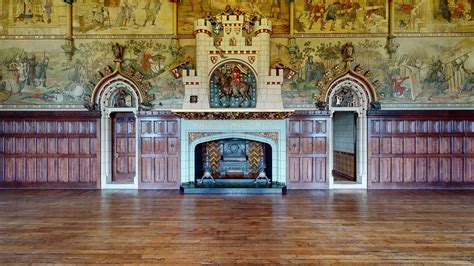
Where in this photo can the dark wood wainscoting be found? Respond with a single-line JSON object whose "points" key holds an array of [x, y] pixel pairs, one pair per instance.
{"points": [[159, 149], [345, 165], [49, 150], [421, 149], [307, 150]]}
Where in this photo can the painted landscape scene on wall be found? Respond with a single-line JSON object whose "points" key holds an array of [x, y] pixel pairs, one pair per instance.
{"points": [[426, 72], [42, 75]]}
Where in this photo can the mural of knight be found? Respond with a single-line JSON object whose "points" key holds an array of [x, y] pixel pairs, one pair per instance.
{"points": [[233, 85]]}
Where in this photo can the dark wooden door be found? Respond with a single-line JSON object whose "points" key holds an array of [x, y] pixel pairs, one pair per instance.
{"points": [[123, 147]]}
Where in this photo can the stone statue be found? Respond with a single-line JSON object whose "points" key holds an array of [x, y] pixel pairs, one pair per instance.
{"points": [[118, 51], [347, 53]]}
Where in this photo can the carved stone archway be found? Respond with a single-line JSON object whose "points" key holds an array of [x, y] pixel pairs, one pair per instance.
{"points": [[351, 92], [118, 92]]}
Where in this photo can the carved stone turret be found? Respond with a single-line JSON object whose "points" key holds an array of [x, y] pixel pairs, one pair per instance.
{"points": [[233, 37]]}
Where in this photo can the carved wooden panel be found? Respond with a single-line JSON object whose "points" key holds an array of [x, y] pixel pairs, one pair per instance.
{"points": [[307, 151], [410, 150], [159, 150], [49, 150], [123, 147]]}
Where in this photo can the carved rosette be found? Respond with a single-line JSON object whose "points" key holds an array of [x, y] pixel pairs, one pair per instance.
{"points": [[234, 115]]}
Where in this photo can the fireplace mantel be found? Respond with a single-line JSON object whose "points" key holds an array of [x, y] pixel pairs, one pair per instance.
{"points": [[234, 115]]}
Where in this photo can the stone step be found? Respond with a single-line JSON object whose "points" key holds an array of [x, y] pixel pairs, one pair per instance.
{"points": [[233, 186]]}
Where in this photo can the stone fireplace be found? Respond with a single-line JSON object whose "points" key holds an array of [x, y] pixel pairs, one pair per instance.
{"points": [[232, 105], [233, 158], [234, 139]]}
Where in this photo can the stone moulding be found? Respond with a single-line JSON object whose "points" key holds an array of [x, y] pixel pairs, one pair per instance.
{"points": [[271, 115], [192, 136]]}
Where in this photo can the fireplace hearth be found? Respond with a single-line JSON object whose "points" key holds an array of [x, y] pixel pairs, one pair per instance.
{"points": [[233, 158]]}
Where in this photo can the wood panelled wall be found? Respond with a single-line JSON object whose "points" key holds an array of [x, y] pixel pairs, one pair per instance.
{"points": [[159, 149], [49, 149], [307, 150], [416, 149], [344, 165]]}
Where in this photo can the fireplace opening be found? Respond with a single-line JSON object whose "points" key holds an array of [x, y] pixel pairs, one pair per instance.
{"points": [[233, 158]]}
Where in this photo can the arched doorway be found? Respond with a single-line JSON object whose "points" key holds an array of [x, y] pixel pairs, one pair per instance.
{"points": [[118, 98], [348, 98]]}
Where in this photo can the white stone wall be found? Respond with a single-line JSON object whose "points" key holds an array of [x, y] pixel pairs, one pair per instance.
{"points": [[256, 56]]}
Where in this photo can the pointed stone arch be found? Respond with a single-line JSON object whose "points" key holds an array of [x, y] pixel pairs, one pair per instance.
{"points": [[130, 80], [354, 81], [353, 92], [118, 92]]}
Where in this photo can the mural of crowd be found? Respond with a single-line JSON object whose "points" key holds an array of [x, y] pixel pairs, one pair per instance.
{"points": [[123, 17], [434, 16], [357, 16], [276, 10]]}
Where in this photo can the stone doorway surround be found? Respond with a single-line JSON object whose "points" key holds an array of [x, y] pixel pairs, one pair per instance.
{"points": [[362, 96]]}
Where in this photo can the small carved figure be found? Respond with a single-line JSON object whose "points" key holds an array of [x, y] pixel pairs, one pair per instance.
{"points": [[248, 41], [232, 42], [347, 52], [118, 51]]}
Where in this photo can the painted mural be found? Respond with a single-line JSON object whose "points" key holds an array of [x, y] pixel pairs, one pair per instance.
{"points": [[434, 16], [32, 17], [233, 85], [41, 74], [115, 17], [276, 10], [334, 16], [425, 72]]}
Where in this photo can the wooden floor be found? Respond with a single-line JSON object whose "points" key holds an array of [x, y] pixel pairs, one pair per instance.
{"points": [[300, 227]]}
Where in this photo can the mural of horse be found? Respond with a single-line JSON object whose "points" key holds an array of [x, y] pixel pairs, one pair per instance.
{"points": [[230, 87]]}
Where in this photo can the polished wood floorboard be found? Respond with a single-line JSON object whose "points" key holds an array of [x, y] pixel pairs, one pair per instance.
{"points": [[353, 227]]}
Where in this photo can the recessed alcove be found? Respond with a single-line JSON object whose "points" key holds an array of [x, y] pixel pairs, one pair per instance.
{"points": [[233, 158]]}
